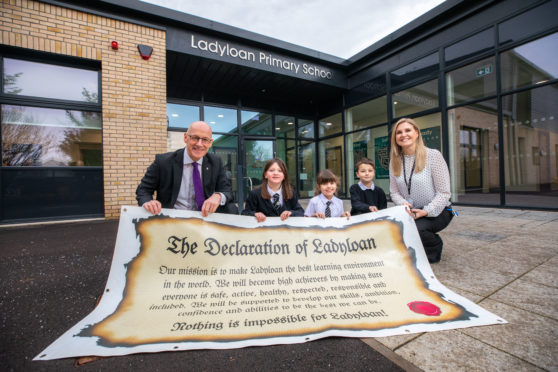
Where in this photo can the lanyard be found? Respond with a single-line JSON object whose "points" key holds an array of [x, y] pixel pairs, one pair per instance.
{"points": [[405, 175]]}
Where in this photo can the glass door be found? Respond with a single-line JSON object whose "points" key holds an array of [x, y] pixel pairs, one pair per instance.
{"points": [[256, 153]]}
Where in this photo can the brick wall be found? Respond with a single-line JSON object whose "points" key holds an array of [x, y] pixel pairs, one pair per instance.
{"points": [[133, 89]]}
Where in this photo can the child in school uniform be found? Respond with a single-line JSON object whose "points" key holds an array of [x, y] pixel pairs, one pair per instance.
{"points": [[325, 203], [365, 196], [274, 197]]}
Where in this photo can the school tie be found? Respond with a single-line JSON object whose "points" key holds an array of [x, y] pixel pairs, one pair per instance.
{"points": [[328, 210], [198, 187], [276, 205]]}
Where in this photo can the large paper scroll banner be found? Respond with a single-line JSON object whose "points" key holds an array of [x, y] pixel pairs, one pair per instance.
{"points": [[180, 282]]}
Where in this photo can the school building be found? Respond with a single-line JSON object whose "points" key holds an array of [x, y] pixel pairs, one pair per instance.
{"points": [[91, 91]]}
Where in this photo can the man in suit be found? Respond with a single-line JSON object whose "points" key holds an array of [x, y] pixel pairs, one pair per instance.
{"points": [[172, 176]]}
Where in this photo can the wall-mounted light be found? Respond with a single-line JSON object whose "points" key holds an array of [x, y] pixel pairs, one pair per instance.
{"points": [[145, 51], [114, 45]]}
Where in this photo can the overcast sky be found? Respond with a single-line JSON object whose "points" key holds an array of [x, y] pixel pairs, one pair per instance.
{"points": [[336, 27]]}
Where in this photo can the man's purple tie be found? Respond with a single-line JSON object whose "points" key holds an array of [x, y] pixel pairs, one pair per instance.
{"points": [[198, 187]]}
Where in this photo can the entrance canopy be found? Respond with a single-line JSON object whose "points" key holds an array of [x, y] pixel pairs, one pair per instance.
{"points": [[226, 71]]}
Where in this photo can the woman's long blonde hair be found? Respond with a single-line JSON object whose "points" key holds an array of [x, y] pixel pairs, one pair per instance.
{"points": [[397, 151]]}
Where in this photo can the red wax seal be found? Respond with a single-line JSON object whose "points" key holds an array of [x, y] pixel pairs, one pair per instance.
{"points": [[423, 307]]}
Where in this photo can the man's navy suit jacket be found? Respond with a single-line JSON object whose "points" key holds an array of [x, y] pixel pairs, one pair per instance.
{"points": [[164, 176]]}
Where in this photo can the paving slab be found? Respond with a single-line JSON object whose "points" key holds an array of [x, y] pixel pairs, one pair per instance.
{"points": [[454, 351], [546, 274], [539, 216], [485, 259], [518, 248], [459, 244], [468, 295], [470, 278], [536, 298], [528, 336], [394, 342]]}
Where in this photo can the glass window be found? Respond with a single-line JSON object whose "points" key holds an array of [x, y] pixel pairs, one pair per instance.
{"points": [[367, 114], [371, 144], [51, 81], [474, 157], [418, 98], [306, 128], [257, 153], [423, 67], [181, 116], [256, 123], [530, 121], [38, 193], [285, 126], [330, 125], [532, 22], [331, 157], [474, 45], [373, 88], [529, 64], [306, 168], [175, 140], [286, 151], [221, 119], [33, 136], [473, 81], [285, 144], [226, 147]]}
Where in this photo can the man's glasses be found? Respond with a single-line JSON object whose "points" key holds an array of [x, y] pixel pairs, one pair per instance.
{"points": [[205, 140]]}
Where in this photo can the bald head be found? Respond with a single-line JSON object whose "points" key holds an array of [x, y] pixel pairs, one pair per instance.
{"points": [[200, 125]]}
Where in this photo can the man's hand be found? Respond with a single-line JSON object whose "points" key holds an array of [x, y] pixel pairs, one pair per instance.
{"points": [[211, 204], [373, 208], [152, 206], [319, 215]]}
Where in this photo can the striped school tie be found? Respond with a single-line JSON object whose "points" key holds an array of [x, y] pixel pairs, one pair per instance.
{"points": [[328, 210], [276, 205]]}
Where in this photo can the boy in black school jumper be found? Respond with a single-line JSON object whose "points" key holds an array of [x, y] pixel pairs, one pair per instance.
{"points": [[365, 196]]}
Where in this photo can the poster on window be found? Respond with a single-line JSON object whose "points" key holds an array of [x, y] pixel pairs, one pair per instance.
{"points": [[381, 157], [180, 282], [360, 150]]}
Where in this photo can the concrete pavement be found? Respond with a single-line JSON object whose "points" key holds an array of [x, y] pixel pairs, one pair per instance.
{"points": [[505, 260]]}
